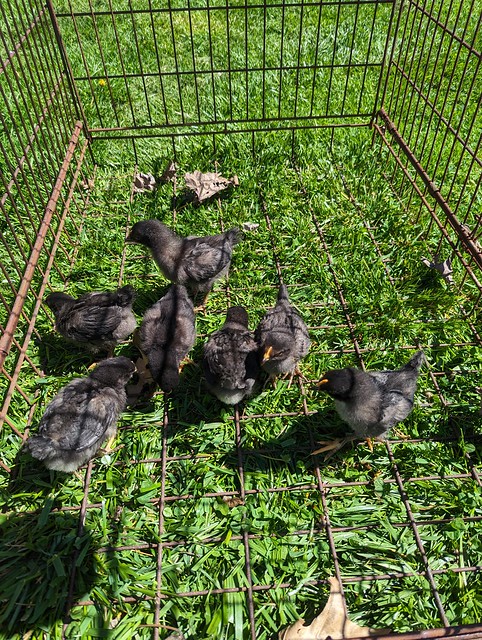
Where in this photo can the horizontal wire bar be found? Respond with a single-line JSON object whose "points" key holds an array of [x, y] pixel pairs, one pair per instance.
{"points": [[222, 71], [223, 8]]}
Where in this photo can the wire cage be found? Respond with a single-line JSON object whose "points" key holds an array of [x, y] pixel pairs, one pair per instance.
{"points": [[355, 127]]}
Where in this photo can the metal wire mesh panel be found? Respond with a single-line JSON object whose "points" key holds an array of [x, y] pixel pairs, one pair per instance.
{"points": [[216, 521], [432, 108], [41, 156], [233, 65]]}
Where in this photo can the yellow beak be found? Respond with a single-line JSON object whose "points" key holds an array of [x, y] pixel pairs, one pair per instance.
{"points": [[322, 381], [267, 354]]}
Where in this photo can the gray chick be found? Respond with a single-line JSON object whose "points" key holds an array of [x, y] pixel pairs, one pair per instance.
{"points": [[371, 402], [97, 320], [230, 359], [282, 337], [194, 262], [166, 334], [81, 416]]}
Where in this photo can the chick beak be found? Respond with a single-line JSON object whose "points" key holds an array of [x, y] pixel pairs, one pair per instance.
{"points": [[267, 354], [129, 240], [321, 382]]}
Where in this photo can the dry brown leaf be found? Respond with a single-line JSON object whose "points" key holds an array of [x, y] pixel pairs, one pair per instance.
{"points": [[444, 267], [332, 622], [232, 501], [169, 172], [144, 182], [206, 185]]}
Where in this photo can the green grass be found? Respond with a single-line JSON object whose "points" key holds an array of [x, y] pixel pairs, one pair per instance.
{"points": [[201, 532], [315, 188]]}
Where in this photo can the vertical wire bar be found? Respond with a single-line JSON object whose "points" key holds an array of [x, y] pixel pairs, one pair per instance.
{"points": [[390, 44], [298, 59], [228, 44], [113, 101], [280, 89], [86, 66], [413, 525], [263, 90], [80, 530], [430, 83], [367, 62], [68, 69], [193, 57], [350, 59], [332, 66], [413, 68], [160, 528], [139, 59], [211, 59], [156, 48], [121, 60], [249, 577], [427, 46], [315, 61], [176, 66], [456, 101], [394, 103], [246, 60]]}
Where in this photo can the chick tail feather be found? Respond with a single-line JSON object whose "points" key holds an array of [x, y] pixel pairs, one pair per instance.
{"points": [[283, 292], [235, 236], [125, 296], [42, 448], [416, 362]]}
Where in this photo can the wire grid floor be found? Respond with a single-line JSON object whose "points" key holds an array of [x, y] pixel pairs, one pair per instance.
{"points": [[265, 463]]}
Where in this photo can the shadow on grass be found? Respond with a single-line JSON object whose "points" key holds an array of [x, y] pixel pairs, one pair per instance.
{"points": [[37, 555], [59, 357]]}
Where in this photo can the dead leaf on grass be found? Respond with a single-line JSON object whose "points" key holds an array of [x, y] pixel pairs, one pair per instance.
{"points": [[144, 182], [444, 267], [332, 622], [206, 185], [169, 172], [232, 501]]}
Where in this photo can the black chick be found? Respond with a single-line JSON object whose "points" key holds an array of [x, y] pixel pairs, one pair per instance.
{"points": [[230, 359], [282, 337], [371, 402], [167, 333], [194, 262], [97, 320], [81, 416]]}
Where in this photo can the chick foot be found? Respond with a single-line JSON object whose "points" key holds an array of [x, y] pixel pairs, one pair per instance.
{"points": [[332, 446]]}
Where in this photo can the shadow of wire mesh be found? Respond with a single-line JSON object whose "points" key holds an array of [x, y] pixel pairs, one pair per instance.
{"points": [[355, 131]]}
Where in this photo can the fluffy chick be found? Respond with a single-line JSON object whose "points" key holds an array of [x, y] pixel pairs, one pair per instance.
{"points": [[81, 416], [97, 320], [194, 262], [230, 359], [167, 333], [282, 337], [371, 402]]}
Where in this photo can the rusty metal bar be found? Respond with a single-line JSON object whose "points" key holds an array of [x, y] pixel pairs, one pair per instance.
{"points": [[11, 326], [434, 192]]}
